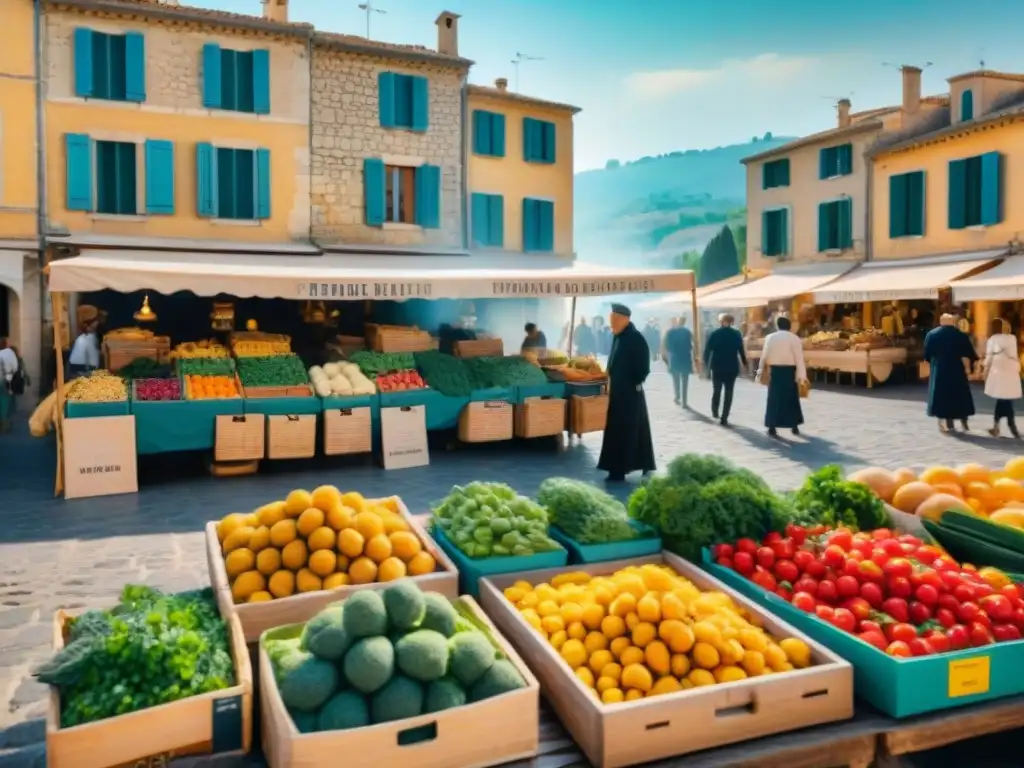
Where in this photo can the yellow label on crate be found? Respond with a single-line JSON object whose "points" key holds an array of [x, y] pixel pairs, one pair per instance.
{"points": [[969, 677]]}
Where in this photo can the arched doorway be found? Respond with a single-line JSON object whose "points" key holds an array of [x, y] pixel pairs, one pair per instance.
{"points": [[7, 298]]}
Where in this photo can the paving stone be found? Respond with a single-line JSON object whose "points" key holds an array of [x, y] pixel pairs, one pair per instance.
{"points": [[16, 617], [23, 734]]}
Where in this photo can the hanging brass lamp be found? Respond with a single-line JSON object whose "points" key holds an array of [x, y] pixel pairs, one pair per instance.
{"points": [[145, 314]]}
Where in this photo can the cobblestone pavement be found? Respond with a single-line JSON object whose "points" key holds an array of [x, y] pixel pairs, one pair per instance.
{"points": [[78, 554]]}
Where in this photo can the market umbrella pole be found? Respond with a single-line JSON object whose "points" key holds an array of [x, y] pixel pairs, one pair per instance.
{"points": [[572, 325], [56, 300], [696, 329]]}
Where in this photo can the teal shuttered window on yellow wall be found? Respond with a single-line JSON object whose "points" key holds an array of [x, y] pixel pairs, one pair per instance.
{"points": [[111, 67], [401, 194], [236, 80], [906, 204], [488, 220], [403, 101], [775, 173], [488, 133], [835, 225], [539, 141], [103, 176], [538, 225], [835, 161], [775, 232], [232, 183], [976, 191]]}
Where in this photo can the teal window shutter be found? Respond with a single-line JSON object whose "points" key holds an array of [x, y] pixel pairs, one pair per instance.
{"points": [[845, 239], [915, 203], [766, 172], [374, 191], [496, 220], [420, 103], [784, 172], [134, 66], [967, 105], [825, 163], [206, 181], [84, 84], [386, 96], [991, 188], [497, 134], [824, 228], [898, 205], [549, 142], [530, 149], [782, 225], [957, 194], [262, 170], [766, 240], [78, 148], [482, 132], [530, 225], [545, 225], [159, 176], [480, 212], [261, 81], [428, 196], [845, 159], [211, 76]]}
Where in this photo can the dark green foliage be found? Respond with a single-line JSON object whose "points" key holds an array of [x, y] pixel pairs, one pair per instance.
{"points": [[439, 615], [423, 655], [324, 635], [828, 499], [486, 372], [305, 722], [344, 710], [443, 694], [308, 683], [405, 605], [369, 663], [373, 364], [205, 366], [584, 512], [501, 678], [272, 371], [444, 372], [472, 654], [365, 615], [399, 699], [720, 259]]}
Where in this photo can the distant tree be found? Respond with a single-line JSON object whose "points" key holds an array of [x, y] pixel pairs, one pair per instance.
{"points": [[688, 260], [768, 136], [611, 165], [720, 259], [739, 234], [754, 140]]}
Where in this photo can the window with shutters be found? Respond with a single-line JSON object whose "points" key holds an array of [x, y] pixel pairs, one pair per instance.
{"points": [[236, 81], [488, 220], [967, 105], [488, 133], [775, 174], [538, 225], [975, 191], [236, 184], [835, 161], [108, 66], [776, 234], [906, 204], [538, 141], [400, 193], [835, 225], [116, 177], [403, 101]]}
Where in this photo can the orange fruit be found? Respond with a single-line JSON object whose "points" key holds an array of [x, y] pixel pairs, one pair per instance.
{"points": [[339, 517], [953, 489], [935, 505], [393, 522], [283, 533], [293, 557], [1007, 489], [390, 569], [351, 542], [321, 538], [322, 562], [309, 521], [354, 500], [336, 580], [1015, 468], [362, 570], [421, 564], [909, 497], [324, 497], [405, 545], [973, 473], [977, 506], [369, 524], [939, 474], [984, 493], [378, 548]]}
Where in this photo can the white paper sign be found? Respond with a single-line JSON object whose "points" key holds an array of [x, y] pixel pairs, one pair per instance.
{"points": [[99, 457], [403, 437]]}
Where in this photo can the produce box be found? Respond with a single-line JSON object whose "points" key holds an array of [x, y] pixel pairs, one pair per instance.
{"points": [[461, 737], [298, 390], [634, 732], [78, 410], [291, 436], [240, 438], [472, 570], [587, 414], [908, 686], [215, 722], [648, 542], [486, 422], [479, 348], [256, 618], [348, 431], [540, 417]]}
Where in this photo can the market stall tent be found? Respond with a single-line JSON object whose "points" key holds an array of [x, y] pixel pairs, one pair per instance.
{"points": [[682, 300], [784, 283], [1004, 282]]}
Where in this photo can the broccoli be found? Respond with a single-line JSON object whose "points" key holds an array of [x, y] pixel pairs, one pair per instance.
{"points": [[365, 615], [405, 605], [369, 663], [324, 635], [443, 694], [399, 699], [344, 710], [472, 655], [423, 655], [439, 614], [307, 684], [501, 678]]}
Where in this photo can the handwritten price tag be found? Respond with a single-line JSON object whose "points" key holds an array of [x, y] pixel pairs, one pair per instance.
{"points": [[969, 677]]}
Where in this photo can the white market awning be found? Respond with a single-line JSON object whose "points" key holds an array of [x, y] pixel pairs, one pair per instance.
{"points": [[1004, 282], [682, 300], [335, 277], [901, 280], [781, 284]]}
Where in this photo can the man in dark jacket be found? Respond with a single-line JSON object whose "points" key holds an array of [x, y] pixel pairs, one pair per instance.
{"points": [[946, 349], [722, 356], [677, 349], [627, 445]]}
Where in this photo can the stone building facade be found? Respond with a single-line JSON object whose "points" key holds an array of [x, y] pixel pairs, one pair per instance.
{"points": [[353, 130]]}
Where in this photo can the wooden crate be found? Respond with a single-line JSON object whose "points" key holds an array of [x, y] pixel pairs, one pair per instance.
{"points": [[256, 618], [479, 348], [398, 338], [614, 735], [924, 369], [184, 727], [240, 437], [486, 422], [291, 437], [517, 738], [348, 431], [588, 414], [117, 353], [540, 417], [258, 393]]}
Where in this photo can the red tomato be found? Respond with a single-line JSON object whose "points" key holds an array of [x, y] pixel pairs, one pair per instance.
{"points": [[948, 602], [892, 546], [797, 533], [938, 641], [803, 558], [945, 563], [784, 549], [827, 591], [899, 586], [869, 626], [844, 620], [1012, 593], [841, 538], [919, 612], [816, 569], [852, 566], [931, 578], [950, 579], [898, 567], [880, 534], [902, 631], [865, 547], [772, 536], [804, 602], [967, 612], [871, 571], [875, 638], [747, 545], [765, 557], [847, 586], [898, 648], [964, 593], [997, 607], [764, 580], [959, 637], [927, 594], [1018, 618], [909, 538], [927, 555], [859, 607], [880, 557], [983, 619], [873, 594], [1004, 632], [824, 612], [725, 562], [945, 617], [897, 608], [983, 590], [743, 562], [980, 635], [920, 647], [785, 593], [833, 556], [786, 570]]}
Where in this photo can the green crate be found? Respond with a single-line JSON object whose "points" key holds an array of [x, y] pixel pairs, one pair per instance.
{"points": [[471, 570], [968, 548], [646, 543], [901, 687]]}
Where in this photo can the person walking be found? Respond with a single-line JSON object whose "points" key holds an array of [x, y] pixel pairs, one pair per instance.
{"points": [[627, 445], [653, 338], [949, 391], [583, 339], [1002, 375], [782, 368], [677, 349], [8, 370], [723, 355]]}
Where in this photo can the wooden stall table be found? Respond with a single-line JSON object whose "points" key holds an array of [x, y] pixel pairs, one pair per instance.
{"points": [[876, 364]]}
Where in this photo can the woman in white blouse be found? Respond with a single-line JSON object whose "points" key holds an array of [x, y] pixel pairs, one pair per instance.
{"points": [[1002, 375], [782, 368]]}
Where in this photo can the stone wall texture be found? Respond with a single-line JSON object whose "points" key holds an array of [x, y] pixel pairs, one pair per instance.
{"points": [[346, 130]]}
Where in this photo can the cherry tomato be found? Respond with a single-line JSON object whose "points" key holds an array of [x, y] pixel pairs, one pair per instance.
{"points": [[997, 607], [827, 591], [919, 612], [833, 556], [898, 567], [899, 586], [1005, 632], [902, 631], [927, 594], [926, 554], [892, 546], [785, 593], [725, 562], [803, 558], [983, 619], [841, 538], [871, 571], [938, 641], [806, 584], [909, 538], [816, 569], [950, 579], [967, 612], [824, 612], [959, 637], [747, 545], [743, 562], [945, 617], [921, 647], [844, 620], [897, 608], [765, 557], [804, 601], [945, 563], [931, 578], [880, 557], [983, 590], [898, 648], [875, 638], [847, 586], [722, 550], [980, 635], [771, 537], [859, 607], [1012, 593], [948, 602], [873, 594], [869, 626], [765, 580], [1018, 618], [786, 570], [964, 593], [797, 533]]}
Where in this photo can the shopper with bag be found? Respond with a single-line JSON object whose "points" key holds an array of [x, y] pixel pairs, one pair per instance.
{"points": [[783, 371], [723, 355], [1002, 375]]}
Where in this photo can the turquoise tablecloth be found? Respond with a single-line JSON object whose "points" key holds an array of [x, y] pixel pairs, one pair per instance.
{"points": [[585, 389], [493, 393], [76, 410], [183, 425], [442, 411], [551, 389], [283, 406]]}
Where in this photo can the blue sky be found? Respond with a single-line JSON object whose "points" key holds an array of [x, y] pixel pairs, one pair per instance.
{"points": [[660, 75]]}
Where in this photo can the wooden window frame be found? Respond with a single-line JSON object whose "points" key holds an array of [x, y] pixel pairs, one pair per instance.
{"points": [[400, 198]]}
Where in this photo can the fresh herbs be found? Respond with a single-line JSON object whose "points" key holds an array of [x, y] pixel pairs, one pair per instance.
{"points": [[205, 366], [826, 498], [486, 372], [372, 364], [584, 512], [444, 373], [272, 371]]}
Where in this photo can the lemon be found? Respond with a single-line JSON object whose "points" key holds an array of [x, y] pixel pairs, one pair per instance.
{"points": [[585, 676], [753, 662], [705, 656], [574, 653], [797, 652], [613, 696], [632, 655], [576, 630], [613, 627], [612, 670], [679, 665], [599, 660], [700, 677], [557, 639], [595, 641], [667, 684], [634, 695], [729, 674]]}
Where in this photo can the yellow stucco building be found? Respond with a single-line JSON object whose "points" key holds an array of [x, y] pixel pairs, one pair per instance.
{"points": [[520, 169]]}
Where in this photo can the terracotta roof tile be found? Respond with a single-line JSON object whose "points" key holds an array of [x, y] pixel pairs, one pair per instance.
{"points": [[491, 91]]}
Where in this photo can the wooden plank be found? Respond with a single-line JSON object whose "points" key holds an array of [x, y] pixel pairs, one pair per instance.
{"points": [[918, 734]]}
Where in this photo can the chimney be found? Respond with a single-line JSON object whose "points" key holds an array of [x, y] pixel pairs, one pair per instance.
{"points": [[275, 10], [911, 88], [448, 33], [501, 84], [843, 108]]}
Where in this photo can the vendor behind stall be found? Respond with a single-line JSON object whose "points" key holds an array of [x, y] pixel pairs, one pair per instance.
{"points": [[535, 338], [85, 352]]}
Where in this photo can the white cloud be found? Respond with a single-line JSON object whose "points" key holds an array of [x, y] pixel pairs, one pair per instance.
{"points": [[766, 69]]}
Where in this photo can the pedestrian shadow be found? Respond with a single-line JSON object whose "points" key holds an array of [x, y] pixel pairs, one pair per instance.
{"points": [[809, 450]]}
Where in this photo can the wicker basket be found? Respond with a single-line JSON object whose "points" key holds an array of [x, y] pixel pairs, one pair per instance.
{"points": [[398, 338], [348, 431], [240, 438], [480, 348], [588, 414], [486, 422], [540, 417], [291, 437]]}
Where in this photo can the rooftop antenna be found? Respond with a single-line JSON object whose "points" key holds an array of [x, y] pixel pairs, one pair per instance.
{"points": [[981, 58], [519, 59], [369, 10]]}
